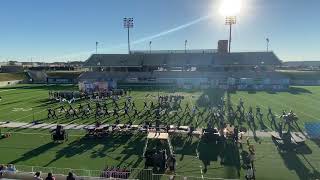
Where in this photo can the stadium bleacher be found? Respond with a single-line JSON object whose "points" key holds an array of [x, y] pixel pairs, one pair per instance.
{"points": [[194, 68], [37, 76], [180, 59]]}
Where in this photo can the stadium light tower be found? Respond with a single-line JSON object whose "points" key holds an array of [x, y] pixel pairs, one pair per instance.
{"points": [[150, 43], [230, 20], [267, 39], [185, 46], [127, 24], [97, 47], [229, 9]]}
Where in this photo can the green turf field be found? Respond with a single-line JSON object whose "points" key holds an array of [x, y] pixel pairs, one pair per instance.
{"points": [[28, 103], [25, 103], [304, 101], [35, 148]]}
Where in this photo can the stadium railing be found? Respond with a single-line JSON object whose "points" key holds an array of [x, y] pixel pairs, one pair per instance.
{"points": [[179, 177], [134, 173]]}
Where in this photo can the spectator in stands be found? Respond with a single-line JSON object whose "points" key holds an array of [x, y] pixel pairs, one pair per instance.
{"points": [[37, 176], [71, 176], [11, 168], [50, 177], [2, 169], [116, 172]]}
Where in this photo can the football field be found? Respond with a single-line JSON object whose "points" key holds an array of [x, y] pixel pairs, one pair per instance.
{"points": [[28, 103], [34, 147]]}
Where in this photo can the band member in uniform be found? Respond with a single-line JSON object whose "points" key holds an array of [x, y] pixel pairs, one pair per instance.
{"points": [[126, 112], [145, 105], [136, 113], [115, 112]]}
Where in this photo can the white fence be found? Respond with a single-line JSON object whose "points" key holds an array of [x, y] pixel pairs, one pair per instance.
{"points": [[133, 173]]}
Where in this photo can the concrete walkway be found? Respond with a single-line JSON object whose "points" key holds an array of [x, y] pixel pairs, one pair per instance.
{"points": [[81, 127]]}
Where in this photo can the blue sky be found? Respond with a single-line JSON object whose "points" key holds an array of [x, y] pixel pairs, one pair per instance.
{"points": [[68, 29]]}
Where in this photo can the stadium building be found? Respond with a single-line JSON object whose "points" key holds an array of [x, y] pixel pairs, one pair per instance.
{"points": [[185, 69]]}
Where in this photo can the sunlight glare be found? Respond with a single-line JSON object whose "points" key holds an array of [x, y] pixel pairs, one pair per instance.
{"points": [[230, 7]]}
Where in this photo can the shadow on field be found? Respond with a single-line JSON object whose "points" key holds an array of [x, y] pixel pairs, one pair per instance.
{"points": [[214, 97], [298, 90], [227, 152], [45, 102], [10, 102], [109, 144], [184, 145], [290, 154], [133, 147], [291, 90], [316, 141], [35, 152]]}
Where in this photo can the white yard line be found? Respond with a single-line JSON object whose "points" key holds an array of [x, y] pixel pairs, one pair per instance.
{"points": [[43, 134], [23, 102], [275, 102], [199, 160], [196, 118], [8, 90], [32, 113]]}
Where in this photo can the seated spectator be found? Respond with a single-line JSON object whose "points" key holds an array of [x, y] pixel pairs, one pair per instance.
{"points": [[37, 176], [116, 172], [11, 168], [2, 169], [50, 177], [70, 176]]}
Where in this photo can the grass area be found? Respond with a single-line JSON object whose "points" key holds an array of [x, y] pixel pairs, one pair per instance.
{"points": [[194, 157], [77, 153], [273, 161], [83, 153], [276, 161], [12, 76], [302, 100], [24, 103]]}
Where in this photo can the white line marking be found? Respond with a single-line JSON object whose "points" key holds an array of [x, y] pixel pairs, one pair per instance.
{"points": [[7, 90], [44, 134]]}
